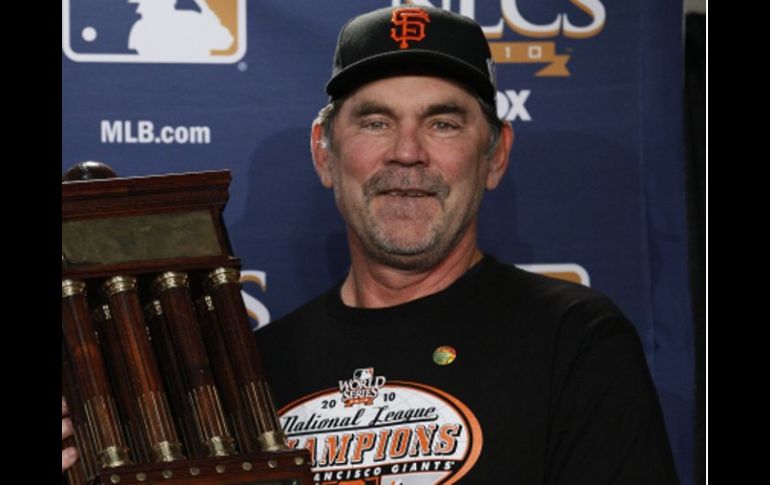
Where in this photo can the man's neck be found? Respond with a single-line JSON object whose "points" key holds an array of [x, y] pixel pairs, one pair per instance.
{"points": [[374, 285]]}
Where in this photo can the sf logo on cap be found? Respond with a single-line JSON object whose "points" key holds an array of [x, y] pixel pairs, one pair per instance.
{"points": [[410, 25]]}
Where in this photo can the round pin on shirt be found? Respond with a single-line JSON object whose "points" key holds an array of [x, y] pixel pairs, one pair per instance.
{"points": [[444, 355]]}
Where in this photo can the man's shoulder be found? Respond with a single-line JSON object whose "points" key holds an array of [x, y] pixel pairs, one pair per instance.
{"points": [[530, 288], [562, 305]]}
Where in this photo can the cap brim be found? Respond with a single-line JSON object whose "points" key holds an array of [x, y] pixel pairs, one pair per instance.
{"points": [[412, 61]]}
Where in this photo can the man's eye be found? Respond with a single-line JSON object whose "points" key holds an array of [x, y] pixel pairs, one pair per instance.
{"points": [[444, 125], [374, 124]]}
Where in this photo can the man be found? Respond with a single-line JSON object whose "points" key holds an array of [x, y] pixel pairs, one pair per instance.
{"points": [[432, 362]]}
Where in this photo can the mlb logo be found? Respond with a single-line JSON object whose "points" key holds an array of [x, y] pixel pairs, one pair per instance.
{"points": [[363, 374], [160, 31]]}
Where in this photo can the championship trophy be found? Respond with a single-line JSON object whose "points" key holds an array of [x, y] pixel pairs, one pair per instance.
{"points": [[159, 365]]}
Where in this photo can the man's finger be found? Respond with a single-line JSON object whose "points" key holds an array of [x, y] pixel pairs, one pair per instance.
{"points": [[68, 457], [66, 428]]}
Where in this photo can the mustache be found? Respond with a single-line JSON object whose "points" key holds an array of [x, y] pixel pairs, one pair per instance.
{"points": [[416, 179]]}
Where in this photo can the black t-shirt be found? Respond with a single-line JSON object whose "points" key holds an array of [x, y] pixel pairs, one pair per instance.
{"points": [[504, 377]]}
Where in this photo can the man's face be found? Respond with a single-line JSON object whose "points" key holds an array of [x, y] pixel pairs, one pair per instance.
{"points": [[408, 166]]}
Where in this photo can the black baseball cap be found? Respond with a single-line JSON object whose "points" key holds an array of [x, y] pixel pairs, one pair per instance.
{"points": [[412, 40]]}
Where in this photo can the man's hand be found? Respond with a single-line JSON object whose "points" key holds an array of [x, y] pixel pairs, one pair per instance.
{"points": [[70, 454]]}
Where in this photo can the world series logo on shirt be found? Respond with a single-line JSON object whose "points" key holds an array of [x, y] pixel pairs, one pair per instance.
{"points": [[363, 388]]}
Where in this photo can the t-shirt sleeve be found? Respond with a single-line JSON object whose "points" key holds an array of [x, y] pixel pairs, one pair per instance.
{"points": [[607, 425]]}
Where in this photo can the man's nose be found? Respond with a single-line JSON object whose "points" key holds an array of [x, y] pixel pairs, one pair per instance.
{"points": [[408, 147]]}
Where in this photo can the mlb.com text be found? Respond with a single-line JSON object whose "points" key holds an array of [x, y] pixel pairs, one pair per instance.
{"points": [[145, 132]]}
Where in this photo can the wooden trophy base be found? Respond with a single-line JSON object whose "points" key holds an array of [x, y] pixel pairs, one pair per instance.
{"points": [[290, 467]]}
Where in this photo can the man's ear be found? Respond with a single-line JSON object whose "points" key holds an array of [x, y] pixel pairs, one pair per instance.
{"points": [[320, 155], [498, 163]]}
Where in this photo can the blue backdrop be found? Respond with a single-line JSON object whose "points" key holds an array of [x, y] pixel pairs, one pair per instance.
{"points": [[593, 89]]}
